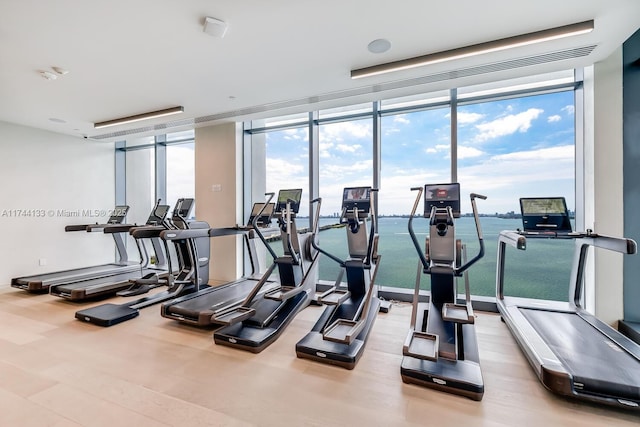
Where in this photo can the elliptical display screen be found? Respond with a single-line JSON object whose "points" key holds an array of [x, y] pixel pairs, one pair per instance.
{"points": [[357, 197], [118, 215], [158, 215], [545, 214], [293, 196], [183, 208], [442, 196], [265, 217]]}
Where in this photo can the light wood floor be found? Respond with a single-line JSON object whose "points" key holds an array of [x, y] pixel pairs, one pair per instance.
{"points": [[150, 371]]}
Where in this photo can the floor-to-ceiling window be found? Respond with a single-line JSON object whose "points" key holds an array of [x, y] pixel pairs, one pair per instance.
{"points": [[180, 166], [415, 150], [505, 140], [522, 146], [160, 167], [345, 160]]}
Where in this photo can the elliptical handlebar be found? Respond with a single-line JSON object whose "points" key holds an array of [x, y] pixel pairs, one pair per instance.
{"points": [[374, 225], [315, 233], [254, 223], [480, 254], [414, 239]]}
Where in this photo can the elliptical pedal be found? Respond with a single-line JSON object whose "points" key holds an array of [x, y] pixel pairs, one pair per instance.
{"points": [[421, 345]]}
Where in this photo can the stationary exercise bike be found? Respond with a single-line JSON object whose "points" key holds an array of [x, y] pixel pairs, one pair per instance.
{"points": [[440, 350]]}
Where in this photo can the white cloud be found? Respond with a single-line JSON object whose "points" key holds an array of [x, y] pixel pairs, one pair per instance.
{"points": [[401, 118], [325, 148], [467, 118], [554, 118], [507, 125], [284, 167], [563, 152], [467, 152], [569, 109], [341, 173], [348, 148], [346, 130]]}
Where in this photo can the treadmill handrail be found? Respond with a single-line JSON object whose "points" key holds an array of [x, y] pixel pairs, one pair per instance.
{"points": [[179, 234], [146, 232]]}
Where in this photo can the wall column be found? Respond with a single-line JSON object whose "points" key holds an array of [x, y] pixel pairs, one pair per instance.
{"points": [[218, 171]]}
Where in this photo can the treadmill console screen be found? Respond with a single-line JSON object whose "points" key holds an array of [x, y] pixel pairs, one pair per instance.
{"points": [[289, 195], [357, 197], [265, 217], [119, 214], [158, 215], [441, 196], [545, 214]]}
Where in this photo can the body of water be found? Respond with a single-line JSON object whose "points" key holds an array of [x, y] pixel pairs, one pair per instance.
{"points": [[542, 271]]}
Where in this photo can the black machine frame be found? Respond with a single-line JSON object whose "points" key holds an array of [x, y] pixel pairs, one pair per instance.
{"points": [[340, 334], [440, 350]]}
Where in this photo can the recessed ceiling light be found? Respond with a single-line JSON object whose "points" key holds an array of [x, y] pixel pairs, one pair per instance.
{"points": [[379, 46], [138, 117], [476, 49]]}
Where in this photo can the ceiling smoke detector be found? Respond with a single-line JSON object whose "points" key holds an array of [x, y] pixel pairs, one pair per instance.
{"points": [[48, 75], [215, 27], [60, 70]]}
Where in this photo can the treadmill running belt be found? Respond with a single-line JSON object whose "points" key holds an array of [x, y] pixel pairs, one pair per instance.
{"points": [[591, 358], [212, 299]]}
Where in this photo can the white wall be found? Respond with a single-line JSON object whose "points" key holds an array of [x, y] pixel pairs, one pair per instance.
{"points": [[47, 173]]}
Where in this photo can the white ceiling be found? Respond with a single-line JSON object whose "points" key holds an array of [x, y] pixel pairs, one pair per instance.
{"points": [[129, 57]]}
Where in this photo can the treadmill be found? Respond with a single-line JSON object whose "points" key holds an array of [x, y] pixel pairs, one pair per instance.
{"points": [[40, 283], [107, 286], [200, 308], [193, 257], [573, 353]]}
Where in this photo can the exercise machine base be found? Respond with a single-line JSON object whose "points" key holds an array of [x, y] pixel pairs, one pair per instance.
{"points": [[314, 347], [462, 377], [107, 314]]}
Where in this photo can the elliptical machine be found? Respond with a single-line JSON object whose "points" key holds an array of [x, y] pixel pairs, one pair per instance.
{"points": [[339, 336], [440, 350], [263, 316]]}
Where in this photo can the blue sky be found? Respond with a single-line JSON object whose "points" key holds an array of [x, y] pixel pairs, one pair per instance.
{"points": [[507, 149]]}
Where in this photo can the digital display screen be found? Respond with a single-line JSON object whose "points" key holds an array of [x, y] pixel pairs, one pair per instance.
{"points": [[158, 215], [441, 196], [545, 214], [532, 206], [265, 217], [118, 214], [183, 207], [357, 197], [293, 196], [356, 194]]}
